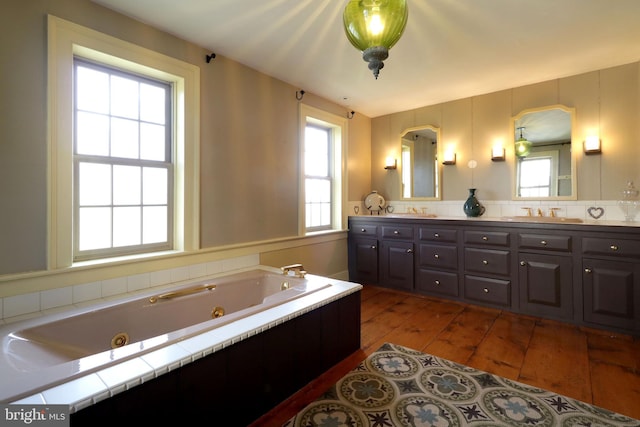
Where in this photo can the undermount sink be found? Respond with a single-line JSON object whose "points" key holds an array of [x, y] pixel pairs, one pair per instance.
{"points": [[543, 219]]}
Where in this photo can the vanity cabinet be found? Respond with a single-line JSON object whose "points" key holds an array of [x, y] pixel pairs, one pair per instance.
{"points": [[363, 254], [585, 274], [487, 267], [545, 275], [437, 265], [396, 256], [611, 282]]}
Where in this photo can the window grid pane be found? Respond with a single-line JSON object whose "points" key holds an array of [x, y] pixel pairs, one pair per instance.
{"points": [[123, 193]]}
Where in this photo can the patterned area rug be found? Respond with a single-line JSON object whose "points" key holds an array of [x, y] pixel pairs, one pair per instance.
{"points": [[397, 386]]}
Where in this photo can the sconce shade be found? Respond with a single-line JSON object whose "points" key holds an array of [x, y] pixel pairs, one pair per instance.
{"points": [[391, 163], [497, 154], [523, 147], [592, 145], [449, 158], [374, 27]]}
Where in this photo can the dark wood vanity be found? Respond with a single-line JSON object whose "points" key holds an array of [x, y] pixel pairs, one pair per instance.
{"points": [[584, 274]]}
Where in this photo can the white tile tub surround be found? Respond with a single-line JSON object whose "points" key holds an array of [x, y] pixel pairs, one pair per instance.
{"points": [[495, 209], [86, 390], [21, 307]]}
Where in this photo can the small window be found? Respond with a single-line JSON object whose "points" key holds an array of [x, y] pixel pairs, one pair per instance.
{"points": [[322, 153], [538, 174], [122, 162]]}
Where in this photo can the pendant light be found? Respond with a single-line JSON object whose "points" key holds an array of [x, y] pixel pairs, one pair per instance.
{"points": [[373, 27], [523, 147]]}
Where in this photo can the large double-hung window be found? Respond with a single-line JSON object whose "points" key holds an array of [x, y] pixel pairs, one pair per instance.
{"points": [[122, 162], [123, 149]]}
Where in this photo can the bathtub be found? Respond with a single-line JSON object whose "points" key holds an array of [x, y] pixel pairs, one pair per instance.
{"points": [[42, 356]]}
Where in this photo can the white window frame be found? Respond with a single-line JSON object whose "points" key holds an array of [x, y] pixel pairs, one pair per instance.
{"points": [[338, 132], [67, 40], [552, 155]]}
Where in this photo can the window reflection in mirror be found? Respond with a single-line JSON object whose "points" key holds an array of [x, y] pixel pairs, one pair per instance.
{"points": [[547, 171], [419, 164]]}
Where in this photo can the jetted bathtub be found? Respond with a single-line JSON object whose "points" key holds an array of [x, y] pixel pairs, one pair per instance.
{"points": [[42, 353]]}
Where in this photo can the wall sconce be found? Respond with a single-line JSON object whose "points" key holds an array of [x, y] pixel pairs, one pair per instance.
{"points": [[449, 158], [390, 163], [497, 154], [592, 145]]}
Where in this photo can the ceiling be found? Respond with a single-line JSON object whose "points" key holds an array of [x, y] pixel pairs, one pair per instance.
{"points": [[451, 49]]}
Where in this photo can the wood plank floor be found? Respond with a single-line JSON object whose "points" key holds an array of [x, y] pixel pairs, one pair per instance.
{"points": [[594, 366]]}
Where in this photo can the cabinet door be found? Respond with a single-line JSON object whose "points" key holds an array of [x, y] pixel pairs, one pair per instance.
{"points": [[611, 293], [396, 267], [363, 260], [546, 285]]}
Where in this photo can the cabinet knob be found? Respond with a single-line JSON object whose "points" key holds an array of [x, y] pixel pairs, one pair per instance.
{"points": [[436, 235], [485, 290], [543, 242], [437, 282], [485, 238], [588, 270], [485, 262], [409, 251], [523, 263], [396, 232], [436, 256], [373, 246], [364, 230], [613, 247]]}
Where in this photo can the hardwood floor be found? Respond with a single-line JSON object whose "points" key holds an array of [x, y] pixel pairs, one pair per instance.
{"points": [[594, 366]]}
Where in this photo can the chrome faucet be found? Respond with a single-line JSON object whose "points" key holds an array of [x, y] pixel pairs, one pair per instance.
{"points": [[296, 270]]}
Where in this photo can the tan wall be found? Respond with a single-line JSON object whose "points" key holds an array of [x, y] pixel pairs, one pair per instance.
{"points": [[607, 100], [249, 138]]}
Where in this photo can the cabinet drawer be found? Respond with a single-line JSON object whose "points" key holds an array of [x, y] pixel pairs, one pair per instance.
{"points": [[483, 289], [544, 241], [438, 282], [612, 246], [438, 256], [486, 261], [497, 238], [438, 235], [397, 232], [370, 230]]}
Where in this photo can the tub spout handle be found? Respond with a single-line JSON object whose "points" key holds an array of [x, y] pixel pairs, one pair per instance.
{"points": [[296, 270]]}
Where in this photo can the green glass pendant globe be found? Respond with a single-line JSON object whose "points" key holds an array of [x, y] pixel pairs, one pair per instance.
{"points": [[374, 27]]}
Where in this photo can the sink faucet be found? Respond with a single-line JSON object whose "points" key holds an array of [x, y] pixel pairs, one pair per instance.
{"points": [[540, 212], [528, 211], [552, 212], [296, 270]]}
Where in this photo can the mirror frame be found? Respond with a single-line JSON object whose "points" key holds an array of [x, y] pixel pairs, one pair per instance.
{"points": [[438, 172], [575, 149]]}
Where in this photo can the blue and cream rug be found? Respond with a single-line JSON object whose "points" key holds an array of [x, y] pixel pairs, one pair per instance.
{"points": [[397, 386]]}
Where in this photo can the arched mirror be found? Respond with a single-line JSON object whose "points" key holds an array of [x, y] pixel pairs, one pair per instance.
{"points": [[419, 170], [545, 167]]}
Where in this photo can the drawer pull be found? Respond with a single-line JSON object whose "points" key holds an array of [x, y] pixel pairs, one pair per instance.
{"points": [[437, 282], [613, 247], [436, 235], [485, 238], [523, 263], [409, 251], [436, 256], [543, 242], [588, 270], [396, 232], [485, 290], [485, 262]]}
